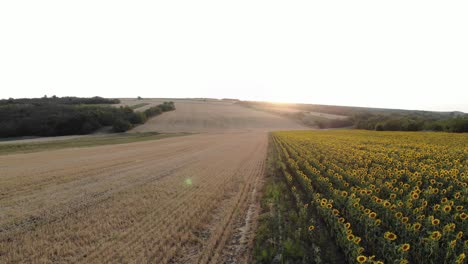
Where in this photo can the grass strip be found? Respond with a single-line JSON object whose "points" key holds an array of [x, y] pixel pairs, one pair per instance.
{"points": [[85, 141]]}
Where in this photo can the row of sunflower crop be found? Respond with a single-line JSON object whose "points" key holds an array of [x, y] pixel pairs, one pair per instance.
{"points": [[390, 197]]}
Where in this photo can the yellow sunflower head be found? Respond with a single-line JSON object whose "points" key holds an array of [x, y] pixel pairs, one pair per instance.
{"points": [[405, 247], [390, 236], [436, 235], [447, 208], [361, 259], [463, 216], [453, 243], [417, 226], [357, 240]]}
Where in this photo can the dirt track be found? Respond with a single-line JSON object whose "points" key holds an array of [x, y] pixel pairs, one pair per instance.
{"points": [[188, 199]]}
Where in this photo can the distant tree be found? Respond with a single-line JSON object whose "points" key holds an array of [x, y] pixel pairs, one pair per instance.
{"points": [[139, 98]]}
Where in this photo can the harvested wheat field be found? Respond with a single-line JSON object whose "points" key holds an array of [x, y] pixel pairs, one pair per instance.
{"points": [[189, 199], [214, 116], [174, 199]]}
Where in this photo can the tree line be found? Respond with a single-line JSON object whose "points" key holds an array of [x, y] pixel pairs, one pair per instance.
{"points": [[59, 100], [69, 116], [457, 123]]}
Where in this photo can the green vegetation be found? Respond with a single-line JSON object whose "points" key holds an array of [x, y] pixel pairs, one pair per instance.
{"points": [[85, 141], [321, 121], [283, 234], [69, 116], [414, 121], [59, 100]]}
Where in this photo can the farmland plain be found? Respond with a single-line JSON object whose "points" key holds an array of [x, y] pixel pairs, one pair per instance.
{"points": [[190, 199]]}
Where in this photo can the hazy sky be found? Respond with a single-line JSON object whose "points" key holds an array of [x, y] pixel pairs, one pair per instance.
{"points": [[396, 54]]}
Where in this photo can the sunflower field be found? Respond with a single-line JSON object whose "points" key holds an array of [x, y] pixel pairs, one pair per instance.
{"points": [[387, 197]]}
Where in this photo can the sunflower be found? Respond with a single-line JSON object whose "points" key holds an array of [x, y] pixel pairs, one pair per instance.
{"points": [[460, 235], [447, 208], [449, 227], [348, 225], [390, 236], [350, 237], [311, 228], [373, 215], [357, 240], [378, 222], [463, 216], [436, 235], [405, 247], [361, 259], [435, 221], [459, 208], [436, 207], [415, 196], [329, 206], [444, 200], [405, 219], [460, 258], [453, 243], [392, 196], [404, 261], [417, 226]]}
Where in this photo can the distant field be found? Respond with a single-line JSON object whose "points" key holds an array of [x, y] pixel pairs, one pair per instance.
{"points": [[210, 115]]}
